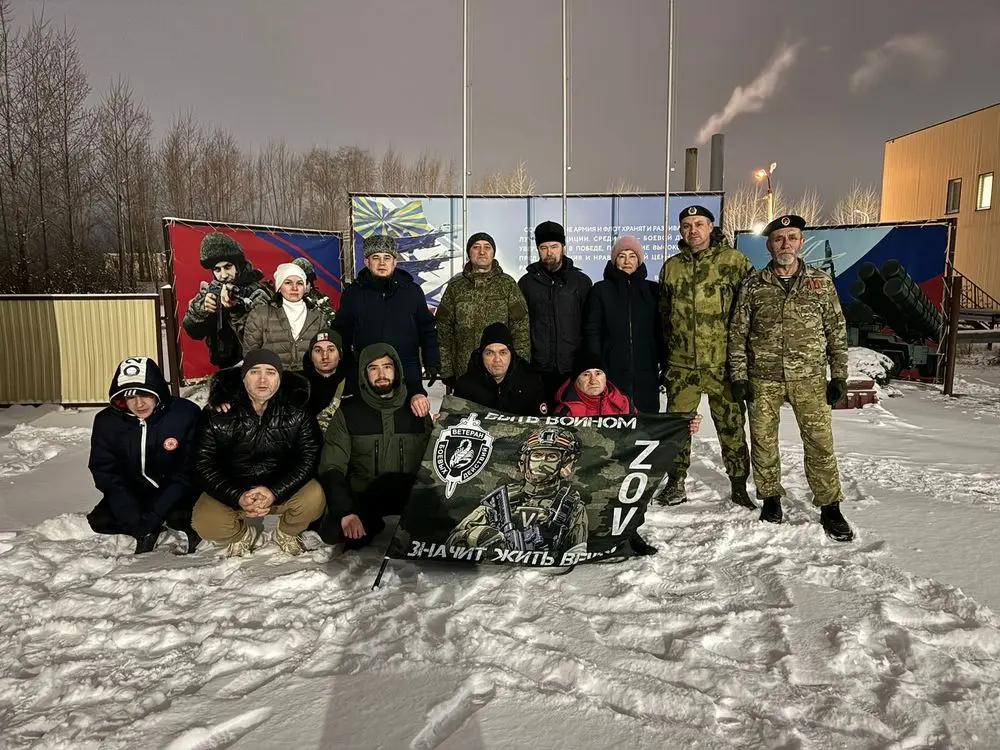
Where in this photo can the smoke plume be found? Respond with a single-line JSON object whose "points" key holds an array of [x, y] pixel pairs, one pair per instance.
{"points": [[919, 50]]}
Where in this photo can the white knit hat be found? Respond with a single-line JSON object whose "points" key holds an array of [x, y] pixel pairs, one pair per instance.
{"points": [[286, 270]]}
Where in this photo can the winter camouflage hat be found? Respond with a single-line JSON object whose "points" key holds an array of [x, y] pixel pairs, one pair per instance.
{"points": [[381, 243], [306, 266], [220, 248]]}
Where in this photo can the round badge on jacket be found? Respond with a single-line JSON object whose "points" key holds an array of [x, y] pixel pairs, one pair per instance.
{"points": [[170, 444]]}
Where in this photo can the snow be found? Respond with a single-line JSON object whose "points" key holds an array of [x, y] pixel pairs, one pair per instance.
{"points": [[866, 364], [737, 634]]}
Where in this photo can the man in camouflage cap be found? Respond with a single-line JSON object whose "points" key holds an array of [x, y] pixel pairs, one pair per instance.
{"points": [[787, 328], [697, 292], [319, 300]]}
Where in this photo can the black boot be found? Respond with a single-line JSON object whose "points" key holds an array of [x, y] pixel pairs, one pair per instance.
{"points": [[834, 523], [146, 543], [673, 493], [771, 510], [639, 545], [193, 540], [740, 496]]}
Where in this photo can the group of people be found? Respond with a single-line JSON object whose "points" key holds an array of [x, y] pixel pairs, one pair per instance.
{"points": [[321, 417]]}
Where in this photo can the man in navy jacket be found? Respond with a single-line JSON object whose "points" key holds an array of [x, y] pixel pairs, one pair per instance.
{"points": [[141, 452]]}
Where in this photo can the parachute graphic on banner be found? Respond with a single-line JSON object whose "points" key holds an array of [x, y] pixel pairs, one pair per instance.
{"points": [[371, 217]]}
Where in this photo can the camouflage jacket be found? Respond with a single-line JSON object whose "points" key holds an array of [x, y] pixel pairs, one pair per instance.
{"points": [[788, 335], [697, 295], [471, 302]]}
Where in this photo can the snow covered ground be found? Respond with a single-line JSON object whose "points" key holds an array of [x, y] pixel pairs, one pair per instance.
{"points": [[736, 634]]}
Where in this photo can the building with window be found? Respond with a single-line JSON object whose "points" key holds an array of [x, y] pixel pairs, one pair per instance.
{"points": [[948, 170]]}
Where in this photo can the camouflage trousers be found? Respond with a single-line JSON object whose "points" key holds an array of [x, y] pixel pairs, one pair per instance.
{"points": [[814, 417], [684, 388]]}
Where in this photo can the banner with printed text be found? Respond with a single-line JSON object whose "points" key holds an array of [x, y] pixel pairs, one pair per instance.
{"points": [[536, 491], [430, 236]]}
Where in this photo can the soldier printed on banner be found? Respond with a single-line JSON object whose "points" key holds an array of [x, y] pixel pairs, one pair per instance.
{"points": [[788, 328], [698, 289], [319, 300]]}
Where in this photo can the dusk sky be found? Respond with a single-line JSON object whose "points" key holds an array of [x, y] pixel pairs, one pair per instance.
{"points": [[844, 77]]}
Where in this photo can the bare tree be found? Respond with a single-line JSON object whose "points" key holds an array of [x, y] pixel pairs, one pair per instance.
{"points": [[517, 182], [623, 186], [861, 205], [15, 145], [744, 209], [809, 207], [178, 157]]}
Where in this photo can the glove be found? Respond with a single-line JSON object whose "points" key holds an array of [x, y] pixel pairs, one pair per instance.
{"points": [[741, 391], [835, 390], [432, 373]]}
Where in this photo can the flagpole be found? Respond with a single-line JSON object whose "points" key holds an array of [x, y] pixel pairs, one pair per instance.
{"points": [[465, 121], [670, 117], [565, 81]]}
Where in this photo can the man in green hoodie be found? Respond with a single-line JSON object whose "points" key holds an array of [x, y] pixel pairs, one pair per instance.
{"points": [[372, 451]]}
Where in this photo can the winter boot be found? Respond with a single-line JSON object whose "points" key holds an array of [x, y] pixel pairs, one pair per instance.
{"points": [[674, 493], [245, 544], [740, 496], [290, 544], [771, 510], [639, 545], [834, 523], [193, 540], [146, 543]]}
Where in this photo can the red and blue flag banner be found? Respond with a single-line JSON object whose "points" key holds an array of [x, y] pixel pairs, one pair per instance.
{"points": [[265, 248]]}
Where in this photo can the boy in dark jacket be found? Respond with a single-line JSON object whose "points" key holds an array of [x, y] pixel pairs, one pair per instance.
{"points": [[371, 453], [498, 378], [140, 455], [326, 369]]}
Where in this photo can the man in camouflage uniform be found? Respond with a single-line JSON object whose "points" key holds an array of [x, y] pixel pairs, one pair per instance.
{"points": [[319, 300], [787, 327], [543, 512], [697, 292]]}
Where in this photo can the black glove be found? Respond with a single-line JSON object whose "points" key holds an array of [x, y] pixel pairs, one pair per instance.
{"points": [[741, 391], [432, 373], [835, 390]]}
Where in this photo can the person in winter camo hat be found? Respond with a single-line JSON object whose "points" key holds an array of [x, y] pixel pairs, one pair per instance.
{"points": [[141, 451], [787, 330], [216, 315], [482, 294], [698, 289], [319, 300]]}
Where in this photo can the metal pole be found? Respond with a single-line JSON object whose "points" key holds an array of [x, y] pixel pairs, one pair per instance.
{"points": [[565, 92], [954, 313], [465, 121], [670, 117]]}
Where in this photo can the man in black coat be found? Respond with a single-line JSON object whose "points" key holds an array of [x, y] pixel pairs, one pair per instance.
{"points": [[556, 293], [326, 369], [498, 378], [258, 450], [385, 306], [140, 456]]}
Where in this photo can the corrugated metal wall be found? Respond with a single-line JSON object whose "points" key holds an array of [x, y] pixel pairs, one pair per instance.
{"points": [[915, 178], [63, 349]]}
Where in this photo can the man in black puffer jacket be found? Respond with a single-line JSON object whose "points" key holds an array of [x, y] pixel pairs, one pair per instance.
{"points": [[498, 378], [140, 456], [556, 293], [258, 450]]}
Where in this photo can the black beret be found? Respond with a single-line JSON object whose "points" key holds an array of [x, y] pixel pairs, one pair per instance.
{"points": [[696, 211], [789, 221]]}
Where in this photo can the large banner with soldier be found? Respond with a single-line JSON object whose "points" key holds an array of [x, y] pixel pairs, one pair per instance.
{"points": [[535, 491]]}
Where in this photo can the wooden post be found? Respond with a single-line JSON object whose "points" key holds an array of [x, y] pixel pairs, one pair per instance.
{"points": [[169, 302], [954, 313]]}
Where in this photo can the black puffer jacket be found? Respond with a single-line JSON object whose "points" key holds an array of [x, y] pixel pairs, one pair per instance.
{"points": [[555, 308], [520, 392], [623, 324], [322, 388], [391, 311], [143, 467], [238, 450]]}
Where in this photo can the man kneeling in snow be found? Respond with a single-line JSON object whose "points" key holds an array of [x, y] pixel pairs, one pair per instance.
{"points": [[257, 451], [372, 451], [140, 451]]}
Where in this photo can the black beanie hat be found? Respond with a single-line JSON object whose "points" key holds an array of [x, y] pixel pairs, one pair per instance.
{"points": [[220, 248], [328, 334], [588, 360], [260, 357], [496, 333], [476, 238], [549, 231]]}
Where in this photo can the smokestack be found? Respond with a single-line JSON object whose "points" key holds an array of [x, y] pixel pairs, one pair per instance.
{"points": [[716, 169], [691, 170]]}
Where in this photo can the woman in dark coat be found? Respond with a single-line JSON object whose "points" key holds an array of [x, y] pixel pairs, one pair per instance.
{"points": [[622, 323]]}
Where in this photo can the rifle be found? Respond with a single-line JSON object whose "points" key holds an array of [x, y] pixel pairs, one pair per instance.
{"points": [[497, 505], [560, 520]]}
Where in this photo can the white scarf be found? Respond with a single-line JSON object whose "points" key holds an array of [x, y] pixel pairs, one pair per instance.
{"points": [[296, 314]]}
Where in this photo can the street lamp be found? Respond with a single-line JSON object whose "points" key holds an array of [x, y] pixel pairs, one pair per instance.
{"points": [[765, 174]]}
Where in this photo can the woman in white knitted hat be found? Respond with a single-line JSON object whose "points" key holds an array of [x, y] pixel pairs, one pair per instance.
{"points": [[287, 323]]}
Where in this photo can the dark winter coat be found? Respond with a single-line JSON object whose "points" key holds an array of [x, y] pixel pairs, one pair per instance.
{"points": [[326, 393], [520, 392], [225, 342], [143, 467], [374, 445], [239, 450], [555, 307], [267, 327], [622, 323], [391, 311]]}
